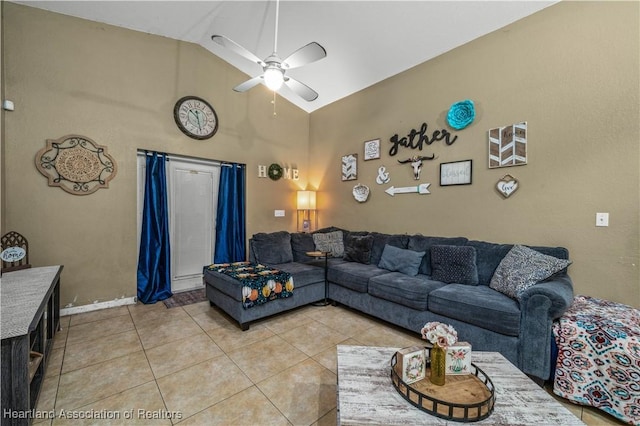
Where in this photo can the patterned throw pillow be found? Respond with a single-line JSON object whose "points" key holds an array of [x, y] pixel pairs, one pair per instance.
{"points": [[522, 268], [401, 260], [454, 264], [330, 241]]}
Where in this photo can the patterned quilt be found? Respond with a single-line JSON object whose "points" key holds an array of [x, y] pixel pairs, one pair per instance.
{"points": [[599, 357], [260, 283]]}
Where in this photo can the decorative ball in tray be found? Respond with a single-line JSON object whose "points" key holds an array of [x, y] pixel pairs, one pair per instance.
{"points": [[463, 398]]}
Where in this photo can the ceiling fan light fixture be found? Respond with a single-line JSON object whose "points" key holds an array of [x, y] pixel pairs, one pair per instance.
{"points": [[273, 78]]}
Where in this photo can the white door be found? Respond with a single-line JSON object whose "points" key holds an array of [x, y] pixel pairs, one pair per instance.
{"points": [[192, 187]]}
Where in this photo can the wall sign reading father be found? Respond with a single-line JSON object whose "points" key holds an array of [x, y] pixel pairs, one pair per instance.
{"points": [[417, 138]]}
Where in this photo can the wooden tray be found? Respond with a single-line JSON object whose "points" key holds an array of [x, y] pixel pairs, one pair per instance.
{"points": [[463, 398]]}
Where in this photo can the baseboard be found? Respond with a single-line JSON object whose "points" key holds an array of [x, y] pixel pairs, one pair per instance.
{"points": [[97, 306]]}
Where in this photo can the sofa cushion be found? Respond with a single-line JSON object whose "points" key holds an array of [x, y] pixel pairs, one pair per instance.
{"points": [[422, 243], [478, 305], [404, 290], [381, 240], [272, 248], [522, 268], [454, 264], [401, 260], [358, 248], [353, 275], [301, 243], [303, 274], [488, 257], [330, 241]]}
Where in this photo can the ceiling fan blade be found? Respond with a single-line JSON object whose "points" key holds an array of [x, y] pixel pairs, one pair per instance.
{"points": [[235, 47], [305, 55], [300, 89], [243, 87]]}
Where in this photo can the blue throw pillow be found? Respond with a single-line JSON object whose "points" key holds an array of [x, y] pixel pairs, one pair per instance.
{"points": [[454, 264], [523, 268], [401, 260]]}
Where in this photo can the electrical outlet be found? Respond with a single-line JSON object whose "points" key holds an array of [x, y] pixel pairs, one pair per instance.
{"points": [[279, 213], [602, 219]]}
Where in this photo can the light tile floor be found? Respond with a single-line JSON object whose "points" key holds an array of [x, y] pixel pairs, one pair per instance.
{"points": [[143, 362]]}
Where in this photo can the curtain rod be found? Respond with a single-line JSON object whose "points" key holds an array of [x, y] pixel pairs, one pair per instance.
{"points": [[175, 157]]}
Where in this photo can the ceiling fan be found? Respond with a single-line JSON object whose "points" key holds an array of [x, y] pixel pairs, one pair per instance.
{"points": [[275, 68]]}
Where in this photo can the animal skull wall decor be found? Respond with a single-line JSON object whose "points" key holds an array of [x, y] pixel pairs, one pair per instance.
{"points": [[416, 163]]}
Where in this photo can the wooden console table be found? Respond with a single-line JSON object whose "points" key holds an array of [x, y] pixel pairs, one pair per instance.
{"points": [[30, 303]]}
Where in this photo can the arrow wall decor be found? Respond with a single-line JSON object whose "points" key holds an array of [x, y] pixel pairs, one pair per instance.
{"points": [[420, 189]]}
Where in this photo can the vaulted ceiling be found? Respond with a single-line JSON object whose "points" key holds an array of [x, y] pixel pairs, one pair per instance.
{"points": [[366, 41]]}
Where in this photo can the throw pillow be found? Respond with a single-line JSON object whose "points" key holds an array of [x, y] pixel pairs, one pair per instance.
{"points": [[401, 260], [522, 268], [358, 248], [301, 243], [272, 248], [454, 264], [330, 241]]}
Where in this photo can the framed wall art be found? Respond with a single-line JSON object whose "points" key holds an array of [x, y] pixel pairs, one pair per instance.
{"points": [[350, 167], [455, 173], [508, 146], [372, 149]]}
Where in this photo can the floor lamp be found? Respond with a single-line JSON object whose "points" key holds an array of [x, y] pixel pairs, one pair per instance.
{"points": [[307, 213]]}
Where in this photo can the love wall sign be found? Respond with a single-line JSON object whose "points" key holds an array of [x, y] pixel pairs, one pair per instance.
{"points": [[507, 186]]}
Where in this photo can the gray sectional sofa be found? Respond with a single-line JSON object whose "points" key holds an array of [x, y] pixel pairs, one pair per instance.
{"points": [[409, 280]]}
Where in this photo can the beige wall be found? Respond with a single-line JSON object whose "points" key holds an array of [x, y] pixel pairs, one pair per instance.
{"points": [[118, 87], [572, 72]]}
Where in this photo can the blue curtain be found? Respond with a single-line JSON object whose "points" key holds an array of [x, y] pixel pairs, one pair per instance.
{"points": [[230, 221], [154, 261]]}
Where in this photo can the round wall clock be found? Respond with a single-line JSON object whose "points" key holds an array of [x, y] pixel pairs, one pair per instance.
{"points": [[195, 117]]}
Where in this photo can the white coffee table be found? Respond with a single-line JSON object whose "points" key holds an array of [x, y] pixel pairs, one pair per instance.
{"points": [[367, 396]]}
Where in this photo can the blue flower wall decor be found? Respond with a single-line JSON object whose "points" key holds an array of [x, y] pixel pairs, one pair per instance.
{"points": [[461, 114]]}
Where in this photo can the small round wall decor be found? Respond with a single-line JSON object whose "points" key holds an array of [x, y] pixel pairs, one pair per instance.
{"points": [[461, 114], [361, 193], [76, 164], [275, 171]]}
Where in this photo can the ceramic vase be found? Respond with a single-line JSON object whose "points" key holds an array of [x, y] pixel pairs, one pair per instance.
{"points": [[438, 365]]}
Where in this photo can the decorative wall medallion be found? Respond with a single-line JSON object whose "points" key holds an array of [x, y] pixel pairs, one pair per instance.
{"points": [[508, 146], [76, 164], [461, 114], [507, 186], [361, 193]]}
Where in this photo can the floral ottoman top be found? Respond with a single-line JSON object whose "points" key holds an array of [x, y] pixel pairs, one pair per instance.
{"points": [[260, 283]]}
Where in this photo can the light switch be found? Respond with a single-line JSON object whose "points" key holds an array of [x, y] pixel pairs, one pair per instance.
{"points": [[602, 219], [279, 213]]}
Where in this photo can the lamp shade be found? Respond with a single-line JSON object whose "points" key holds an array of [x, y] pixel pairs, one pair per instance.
{"points": [[306, 200], [273, 78]]}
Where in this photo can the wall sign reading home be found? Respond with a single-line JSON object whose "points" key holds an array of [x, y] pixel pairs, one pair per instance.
{"points": [[416, 139]]}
